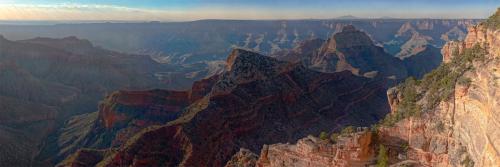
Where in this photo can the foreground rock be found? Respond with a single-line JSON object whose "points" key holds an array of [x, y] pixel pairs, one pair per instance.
{"points": [[244, 158], [352, 150]]}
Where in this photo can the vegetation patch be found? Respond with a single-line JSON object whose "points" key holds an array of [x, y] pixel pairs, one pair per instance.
{"points": [[323, 136], [439, 85], [383, 157], [494, 21], [333, 137]]}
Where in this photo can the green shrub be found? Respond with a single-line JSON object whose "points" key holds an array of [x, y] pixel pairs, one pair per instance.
{"points": [[323, 136], [494, 20], [347, 130], [405, 146], [464, 81], [436, 86], [467, 162], [382, 158]]}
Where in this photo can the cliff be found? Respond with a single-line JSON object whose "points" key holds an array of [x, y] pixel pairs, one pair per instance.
{"points": [[351, 150], [462, 129], [120, 116]]}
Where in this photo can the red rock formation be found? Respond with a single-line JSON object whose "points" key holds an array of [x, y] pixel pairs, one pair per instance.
{"points": [[244, 158], [258, 100], [145, 106], [123, 114], [450, 48], [201, 88], [478, 34], [350, 151], [158, 104]]}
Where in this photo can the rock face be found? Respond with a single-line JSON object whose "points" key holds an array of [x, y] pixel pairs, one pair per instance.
{"points": [[350, 151], [349, 50], [479, 34], [466, 125], [476, 106], [259, 100], [450, 48], [423, 62], [414, 41], [121, 115], [244, 158]]}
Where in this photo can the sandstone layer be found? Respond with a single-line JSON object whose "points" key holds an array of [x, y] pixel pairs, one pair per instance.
{"points": [[466, 124]]}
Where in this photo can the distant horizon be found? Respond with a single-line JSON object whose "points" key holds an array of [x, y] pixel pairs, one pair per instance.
{"points": [[193, 10], [54, 22]]}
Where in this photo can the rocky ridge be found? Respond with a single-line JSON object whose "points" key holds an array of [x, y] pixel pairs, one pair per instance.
{"points": [[120, 116], [258, 100], [349, 50]]}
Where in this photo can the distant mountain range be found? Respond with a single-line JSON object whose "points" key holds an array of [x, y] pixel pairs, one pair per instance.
{"points": [[206, 40], [348, 17]]}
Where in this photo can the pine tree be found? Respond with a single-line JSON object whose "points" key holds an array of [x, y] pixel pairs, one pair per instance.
{"points": [[383, 158]]}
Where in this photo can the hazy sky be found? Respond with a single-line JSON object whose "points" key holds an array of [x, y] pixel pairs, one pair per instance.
{"points": [[165, 10]]}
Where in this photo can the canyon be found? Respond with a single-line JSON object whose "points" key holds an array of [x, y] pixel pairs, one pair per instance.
{"points": [[248, 93], [208, 40], [256, 100], [460, 130]]}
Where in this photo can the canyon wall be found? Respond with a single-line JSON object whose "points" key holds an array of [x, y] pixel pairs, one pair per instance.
{"points": [[465, 126], [460, 131]]}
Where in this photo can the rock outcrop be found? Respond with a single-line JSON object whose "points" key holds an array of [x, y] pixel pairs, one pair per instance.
{"points": [[244, 158], [451, 48], [479, 34], [349, 50], [352, 150]]}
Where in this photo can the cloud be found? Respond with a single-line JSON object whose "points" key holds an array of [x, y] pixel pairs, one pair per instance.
{"points": [[112, 12], [75, 12], [83, 12]]}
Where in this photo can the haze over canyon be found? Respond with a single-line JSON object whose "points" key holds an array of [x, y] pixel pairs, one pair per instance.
{"points": [[342, 92]]}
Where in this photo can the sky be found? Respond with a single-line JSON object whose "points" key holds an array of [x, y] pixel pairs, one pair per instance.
{"points": [[185, 10]]}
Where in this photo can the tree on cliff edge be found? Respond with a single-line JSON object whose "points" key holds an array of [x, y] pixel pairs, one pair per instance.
{"points": [[382, 158]]}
